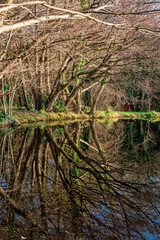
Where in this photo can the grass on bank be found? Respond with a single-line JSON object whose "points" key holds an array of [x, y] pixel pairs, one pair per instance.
{"points": [[27, 117], [6, 119], [34, 116], [110, 114]]}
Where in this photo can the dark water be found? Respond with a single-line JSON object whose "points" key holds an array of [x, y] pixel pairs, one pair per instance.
{"points": [[87, 180]]}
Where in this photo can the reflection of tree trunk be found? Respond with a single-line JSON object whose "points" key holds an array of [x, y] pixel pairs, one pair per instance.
{"points": [[80, 153], [19, 211], [38, 154], [95, 138], [13, 169], [22, 169], [22, 147], [10, 220], [55, 152], [33, 176], [15, 178], [76, 209], [44, 164], [94, 166], [3, 151], [85, 139]]}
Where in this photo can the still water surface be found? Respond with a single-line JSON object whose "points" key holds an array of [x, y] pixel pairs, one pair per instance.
{"points": [[83, 180]]}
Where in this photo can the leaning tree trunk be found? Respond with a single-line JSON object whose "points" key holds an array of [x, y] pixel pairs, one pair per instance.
{"points": [[96, 99]]}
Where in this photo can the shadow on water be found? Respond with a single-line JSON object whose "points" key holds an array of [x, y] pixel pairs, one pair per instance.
{"points": [[82, 181]]}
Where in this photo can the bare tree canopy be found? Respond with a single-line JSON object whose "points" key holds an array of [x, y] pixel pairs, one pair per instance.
{"points": [[57, 54]]}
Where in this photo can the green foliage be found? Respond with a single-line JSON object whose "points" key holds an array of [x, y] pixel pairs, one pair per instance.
{"points": [[105, 80], [85, 137], [30, 106], [42, 111], [79, 65], [59, 131], [2, 115], [115, 46], [84, 4], [141, 83], [21, 109], [5, 87], [70, 88], [75, 172], [7, 119], [84, 37], [59, 106]]}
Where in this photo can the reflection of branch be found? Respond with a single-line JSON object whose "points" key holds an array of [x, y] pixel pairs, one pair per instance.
{"points": [[89, 145], [21, 212], [45, 175], [95, 138], [92, 163], [23, 167], [73, 193], [22, 147], [52, 142]]}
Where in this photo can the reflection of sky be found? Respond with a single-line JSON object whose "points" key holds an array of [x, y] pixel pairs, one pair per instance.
{"points": [[104, 214], [3, 183], [101, 211], [149, 236]]}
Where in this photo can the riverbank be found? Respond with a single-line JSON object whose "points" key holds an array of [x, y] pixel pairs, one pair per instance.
{"points": [[152, 116], [20, 117]]}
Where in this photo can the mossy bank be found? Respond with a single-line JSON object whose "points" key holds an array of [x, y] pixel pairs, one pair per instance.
{"points": [[26, 117]]}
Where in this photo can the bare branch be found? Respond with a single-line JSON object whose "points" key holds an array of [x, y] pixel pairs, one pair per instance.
{"points": [[12, 6], [71, 15], [15, 26]]}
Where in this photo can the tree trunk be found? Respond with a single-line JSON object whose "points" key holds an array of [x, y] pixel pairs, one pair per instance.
{"points": [[96, 99], [56, 86]]}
